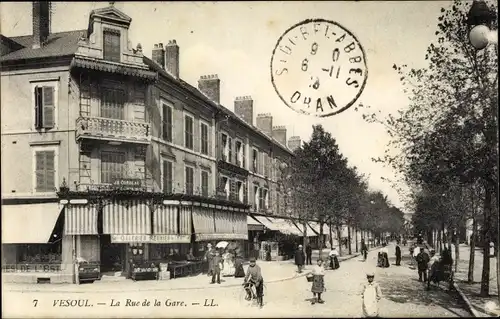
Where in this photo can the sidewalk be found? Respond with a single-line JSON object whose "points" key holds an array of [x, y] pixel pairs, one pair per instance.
{"points": [[273, 271], [471, 291]]}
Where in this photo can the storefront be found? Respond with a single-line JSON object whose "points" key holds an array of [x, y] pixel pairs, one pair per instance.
{"points": [[34, 247]]}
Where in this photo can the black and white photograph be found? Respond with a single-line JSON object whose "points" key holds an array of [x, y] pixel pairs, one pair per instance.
{"points": [[249, 159]]}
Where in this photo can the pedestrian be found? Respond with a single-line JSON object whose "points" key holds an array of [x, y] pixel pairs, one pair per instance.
{"points": [[371, 294], [398, 255], [422, 264], [239, 272], [208, 258], [299, 259], [364, 249], [334, 260], [254, 277], [217, 267], [318, 284], [308, 254]]}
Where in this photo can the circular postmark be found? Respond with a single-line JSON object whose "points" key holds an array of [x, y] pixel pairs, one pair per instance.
{"points": [[318, 68]]}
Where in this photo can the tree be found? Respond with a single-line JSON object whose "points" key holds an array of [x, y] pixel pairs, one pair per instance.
{"points": [[448, 133]]}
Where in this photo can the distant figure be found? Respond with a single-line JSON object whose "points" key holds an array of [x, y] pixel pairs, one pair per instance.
{"points": [[334, 260], [208, 258], [308, 254], [371, 294], [364, 249], [217, 266], [299, 259], [398, 255], [239, 272]]}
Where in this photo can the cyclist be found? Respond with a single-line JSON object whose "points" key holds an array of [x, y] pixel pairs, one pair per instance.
{"points": [[254, 277]]}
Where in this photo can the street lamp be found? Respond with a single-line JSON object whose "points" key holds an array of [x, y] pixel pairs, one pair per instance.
{"points": [[479, 19]]}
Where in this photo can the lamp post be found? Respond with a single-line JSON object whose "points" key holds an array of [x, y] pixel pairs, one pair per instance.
{"points": [[480, 19]]}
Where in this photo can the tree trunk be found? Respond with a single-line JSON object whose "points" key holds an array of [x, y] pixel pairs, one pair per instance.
{"points": [[349, 239], [339, 241], [485, 276], [472, 254], [331, 235], [321, 239], [457, 249], [356, 236], [304, 240]]}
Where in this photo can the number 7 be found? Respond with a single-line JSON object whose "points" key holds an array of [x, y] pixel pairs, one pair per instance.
{"points": [[35, 302]]}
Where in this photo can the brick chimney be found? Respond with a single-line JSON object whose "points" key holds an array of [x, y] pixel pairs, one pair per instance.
{"points": [[158, 54], [210, 86], [294, 143], [265, 123], [41, 23], [243, 107], [172, 58], [279, 134]]}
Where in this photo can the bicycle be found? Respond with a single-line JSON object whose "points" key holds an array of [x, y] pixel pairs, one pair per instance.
{"points": [[250, 289]]}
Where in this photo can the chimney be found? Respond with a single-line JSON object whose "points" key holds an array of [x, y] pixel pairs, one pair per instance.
{"points": [[158, 54], [41, 23], [210, 86], [294, 143], [172, 58], [265, 123], [243, 107], [279, 134]]}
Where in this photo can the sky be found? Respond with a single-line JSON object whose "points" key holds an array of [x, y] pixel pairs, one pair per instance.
{"points": [[235, 40]]}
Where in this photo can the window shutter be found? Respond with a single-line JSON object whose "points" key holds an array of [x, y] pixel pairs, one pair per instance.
{"points": [[230, 150], [38, 107], [245, 193], [40, 171], [164, 124], [232, 189], [50, 172], [48, 107], [165, 177], [243, 155]]}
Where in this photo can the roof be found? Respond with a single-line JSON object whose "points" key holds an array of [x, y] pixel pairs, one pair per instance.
{"points": [[58, 44], [218, 106]]}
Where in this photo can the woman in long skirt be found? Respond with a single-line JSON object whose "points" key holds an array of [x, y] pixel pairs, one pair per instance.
{"points": [[334, 260], [238, 265], [318, 284]]}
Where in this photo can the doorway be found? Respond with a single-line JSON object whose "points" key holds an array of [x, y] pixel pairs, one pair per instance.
{"points": [[112, 255]]}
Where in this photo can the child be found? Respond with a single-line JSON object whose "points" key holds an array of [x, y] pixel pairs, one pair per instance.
{"points": [[254, 276], [371, 295], [318, 285]]}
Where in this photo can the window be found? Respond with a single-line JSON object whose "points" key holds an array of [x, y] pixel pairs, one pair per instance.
{"points": [[167, 122], [256, 197], [261, 199], [39, 253], [44, 107], [189, 180], [204, 138], [112, 166], [204, 183], [167, 176], [265, 199], [111, 50], [266, 165], [255, 157], [239, 153], [112, 104], [188, 132], [224, 187], [229, 150], [224, 150], [45, 171], [240, 190]]}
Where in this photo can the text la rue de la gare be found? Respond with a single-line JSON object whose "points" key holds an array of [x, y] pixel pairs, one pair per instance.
{"points": [[82, 303]]}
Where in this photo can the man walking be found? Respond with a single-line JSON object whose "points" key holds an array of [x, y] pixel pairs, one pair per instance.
{"points": [[299, 259], [422, 264], [217, 266], [308, 254], [398, 255]]}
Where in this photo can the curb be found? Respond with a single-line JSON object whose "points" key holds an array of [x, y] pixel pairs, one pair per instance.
{"points": [[171, 289], [470, 307]]}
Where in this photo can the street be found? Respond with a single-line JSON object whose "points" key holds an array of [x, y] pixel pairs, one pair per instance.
{"points": [[403, 296]]}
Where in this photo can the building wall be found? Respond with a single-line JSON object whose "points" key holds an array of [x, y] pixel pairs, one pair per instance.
{"points": [[175, 151], [19, 136]]}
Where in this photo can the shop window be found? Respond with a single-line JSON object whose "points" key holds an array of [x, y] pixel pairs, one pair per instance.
{"points": [[39, 253]]}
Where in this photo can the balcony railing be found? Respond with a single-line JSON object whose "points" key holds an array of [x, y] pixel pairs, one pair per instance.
{"points": [[112, 129]]}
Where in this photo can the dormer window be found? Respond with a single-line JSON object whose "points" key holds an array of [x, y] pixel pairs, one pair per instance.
{"points": [[112, 50]]}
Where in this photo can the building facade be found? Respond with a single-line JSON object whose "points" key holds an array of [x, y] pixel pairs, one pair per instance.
{"points": [[109, 157]]}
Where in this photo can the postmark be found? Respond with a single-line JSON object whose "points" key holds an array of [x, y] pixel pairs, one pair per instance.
{"points": [[318, 68]]}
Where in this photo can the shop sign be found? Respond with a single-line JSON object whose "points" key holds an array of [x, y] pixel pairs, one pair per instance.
{"points": [[124, 183], [44, 268], [152, 239]]}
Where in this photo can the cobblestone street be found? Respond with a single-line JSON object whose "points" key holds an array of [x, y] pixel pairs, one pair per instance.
{"points": [[403, 296]]}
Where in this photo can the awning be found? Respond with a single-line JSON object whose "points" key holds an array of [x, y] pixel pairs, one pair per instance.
{"points": [[29, 223], [267, 223], [165, 219], [80, 220], [310, 230], [204, 223], [252, 224], [126, 218], [286, 226], [225, 222], [240, 227], [185, 213], [314, 226]]}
